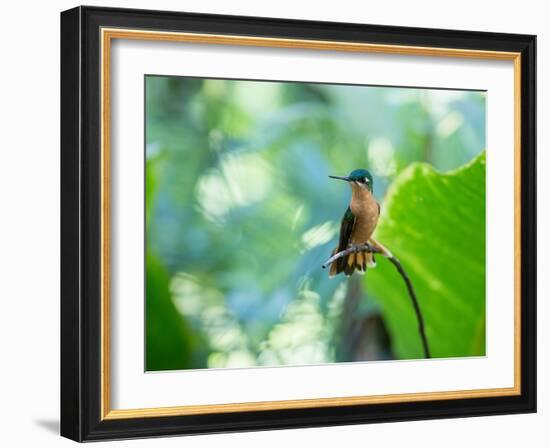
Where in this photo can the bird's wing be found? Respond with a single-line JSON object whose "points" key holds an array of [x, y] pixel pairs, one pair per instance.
{"points": [[378, 203], [346, 228]]}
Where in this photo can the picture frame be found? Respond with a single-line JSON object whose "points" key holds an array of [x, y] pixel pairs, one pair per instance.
{"points": [[87, 34]]}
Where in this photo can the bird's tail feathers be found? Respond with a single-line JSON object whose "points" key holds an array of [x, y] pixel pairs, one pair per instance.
{"points": [[355, 261]]}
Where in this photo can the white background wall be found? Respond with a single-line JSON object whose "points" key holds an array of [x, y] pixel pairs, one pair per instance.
{"points": [[29, 219]]}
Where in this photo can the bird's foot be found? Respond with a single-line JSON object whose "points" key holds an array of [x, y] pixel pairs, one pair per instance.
{"points": [[363, 247]]}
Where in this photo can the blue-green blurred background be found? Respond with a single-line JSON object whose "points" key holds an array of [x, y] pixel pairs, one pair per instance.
{"points": [[240, 216]]}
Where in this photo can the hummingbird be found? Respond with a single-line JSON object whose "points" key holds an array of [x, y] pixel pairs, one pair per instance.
{"points": [[358, 225]]}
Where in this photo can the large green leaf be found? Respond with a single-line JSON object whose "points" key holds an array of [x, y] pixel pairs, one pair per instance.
{"points": [[434, 223]]}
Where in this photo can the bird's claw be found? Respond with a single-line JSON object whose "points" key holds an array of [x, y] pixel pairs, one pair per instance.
{"points": [[365, 247]]}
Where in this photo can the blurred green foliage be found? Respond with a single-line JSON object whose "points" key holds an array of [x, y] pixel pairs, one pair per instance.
{"points": [[240, 216], [174, 344]]}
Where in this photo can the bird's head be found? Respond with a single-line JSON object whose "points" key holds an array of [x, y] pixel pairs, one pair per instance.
{"points": [[361, 178]]}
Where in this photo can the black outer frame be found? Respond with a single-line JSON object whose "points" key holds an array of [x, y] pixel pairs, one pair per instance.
{"points": [[80, 223]]}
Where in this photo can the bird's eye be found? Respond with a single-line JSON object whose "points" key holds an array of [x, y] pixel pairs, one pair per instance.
{"points": [[365, 180]]}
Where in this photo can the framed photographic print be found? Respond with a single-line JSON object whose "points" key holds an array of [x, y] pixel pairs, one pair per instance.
{"points": [[274, 223]]}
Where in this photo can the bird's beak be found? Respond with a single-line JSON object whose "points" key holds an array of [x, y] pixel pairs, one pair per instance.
{"points": [[347, 179]]}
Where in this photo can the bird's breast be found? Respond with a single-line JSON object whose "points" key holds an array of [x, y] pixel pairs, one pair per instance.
{"points": [[365, 209]]}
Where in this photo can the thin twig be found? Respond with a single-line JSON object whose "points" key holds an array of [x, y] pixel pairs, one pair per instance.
{"points": [[412, 294], [366, 247]]}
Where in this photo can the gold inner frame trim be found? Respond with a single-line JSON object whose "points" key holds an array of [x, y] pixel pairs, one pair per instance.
{"points": [[107, 35]]}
